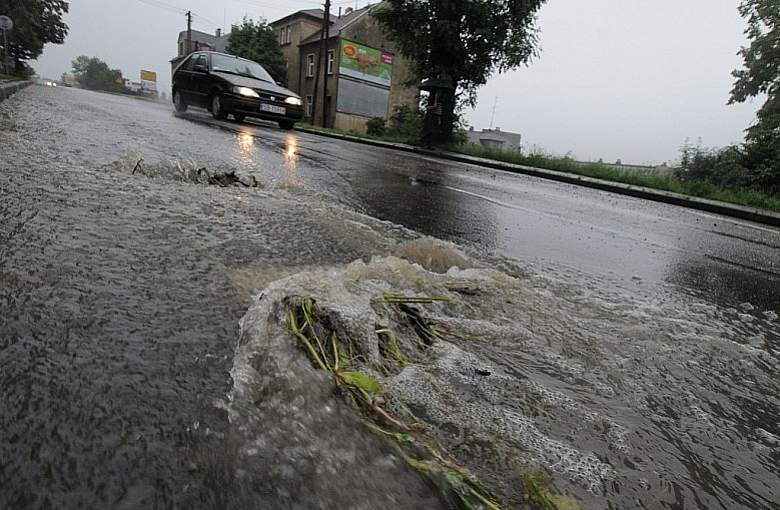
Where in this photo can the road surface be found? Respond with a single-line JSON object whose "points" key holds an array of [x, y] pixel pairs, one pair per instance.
{"points": [[122, 283]]}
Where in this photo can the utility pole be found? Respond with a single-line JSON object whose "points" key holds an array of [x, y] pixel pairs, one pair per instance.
{"points": [[189, 33], [323, 42], [325, 78], [493, 115]]}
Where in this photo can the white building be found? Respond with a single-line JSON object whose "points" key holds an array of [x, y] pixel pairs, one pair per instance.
{"points": [[496, 139]]}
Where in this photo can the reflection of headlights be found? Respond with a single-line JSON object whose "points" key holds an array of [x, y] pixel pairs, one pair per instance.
{"points": [[293, 101], [245, 91]]}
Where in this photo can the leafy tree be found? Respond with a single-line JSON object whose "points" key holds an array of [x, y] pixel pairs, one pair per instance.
{"points": [[36, 23], [256, 41], [94, 74], [761, 75], [461, 41]]}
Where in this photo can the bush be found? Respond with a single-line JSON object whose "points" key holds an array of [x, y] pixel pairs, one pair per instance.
{"points": [[733, 167], [376, 127], [406, 124]]}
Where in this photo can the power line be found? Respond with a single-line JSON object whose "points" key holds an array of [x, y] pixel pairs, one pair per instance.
{"points": [[163, 5]]}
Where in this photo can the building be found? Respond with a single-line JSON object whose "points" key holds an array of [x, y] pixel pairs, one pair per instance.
{"points": [[200, 41], [365, 77], [496, 139]]}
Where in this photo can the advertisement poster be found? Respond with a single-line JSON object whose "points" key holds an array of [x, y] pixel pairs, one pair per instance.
{"points": [[366, 63], [149, 81]]}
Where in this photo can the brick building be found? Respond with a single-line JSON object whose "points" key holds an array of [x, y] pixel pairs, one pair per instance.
{"points": [[365, 76]]}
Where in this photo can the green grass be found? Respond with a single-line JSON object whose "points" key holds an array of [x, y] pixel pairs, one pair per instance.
{"points": [[699, 189], [10, 77]]}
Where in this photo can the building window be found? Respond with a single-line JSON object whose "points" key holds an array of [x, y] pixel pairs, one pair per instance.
{"points": [[331, 59], [310, 65], [285, 35], [308, 106]]}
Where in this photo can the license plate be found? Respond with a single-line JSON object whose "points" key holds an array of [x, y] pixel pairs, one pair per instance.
{"points": [[279, 110]]}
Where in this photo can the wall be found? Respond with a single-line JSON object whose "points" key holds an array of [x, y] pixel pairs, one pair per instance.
{"points": [[307, 83], [302, 27], [367, 31]]}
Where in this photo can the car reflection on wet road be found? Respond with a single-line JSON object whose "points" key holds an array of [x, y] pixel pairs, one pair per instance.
{"points": [[624, 239]]}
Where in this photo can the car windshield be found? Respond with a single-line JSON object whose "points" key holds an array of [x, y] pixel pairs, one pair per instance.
{"points": [[240, 66]]}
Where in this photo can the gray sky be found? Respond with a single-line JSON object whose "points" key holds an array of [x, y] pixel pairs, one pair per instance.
{"points": [[627, 79]]}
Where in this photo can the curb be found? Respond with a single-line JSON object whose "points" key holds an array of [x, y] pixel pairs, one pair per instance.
{"points": [[9, 89], [667, 197]]}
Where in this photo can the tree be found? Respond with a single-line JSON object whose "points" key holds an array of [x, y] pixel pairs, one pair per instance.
{"points": [[36, 23], [94, 74], [761, 75], [462, 42], [256, 41]]}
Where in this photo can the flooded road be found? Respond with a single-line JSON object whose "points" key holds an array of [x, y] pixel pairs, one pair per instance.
{"points": [[638, 344]]}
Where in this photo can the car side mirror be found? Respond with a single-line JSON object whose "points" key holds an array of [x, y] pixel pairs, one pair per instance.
{"points": [[200, 68]]}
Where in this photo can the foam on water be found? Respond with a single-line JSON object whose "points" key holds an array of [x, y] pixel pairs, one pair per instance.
{"points": [[536, 372]]}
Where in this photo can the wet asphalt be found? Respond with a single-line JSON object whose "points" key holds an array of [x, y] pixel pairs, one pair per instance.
{"points": [[542, 223], [118, 319]]}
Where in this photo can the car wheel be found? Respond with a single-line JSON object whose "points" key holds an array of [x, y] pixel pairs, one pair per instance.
{"points": [[217, 110], [286, 124], [239, 117], [178, 102]]}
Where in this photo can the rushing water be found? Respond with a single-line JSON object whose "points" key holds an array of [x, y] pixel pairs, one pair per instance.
{"points": [[128, 383]]}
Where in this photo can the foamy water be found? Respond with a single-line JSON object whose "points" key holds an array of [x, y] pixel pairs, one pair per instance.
{"points": [[619, 400]]}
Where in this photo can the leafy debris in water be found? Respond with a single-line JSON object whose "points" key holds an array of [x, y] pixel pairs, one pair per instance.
{"points": [[330, 353]]}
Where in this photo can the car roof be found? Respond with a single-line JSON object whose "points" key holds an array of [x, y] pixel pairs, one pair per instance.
{"points": [[225, 55]]}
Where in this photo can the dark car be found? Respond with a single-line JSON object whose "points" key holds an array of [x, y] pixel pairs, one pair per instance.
{"points": [[226, 84]]}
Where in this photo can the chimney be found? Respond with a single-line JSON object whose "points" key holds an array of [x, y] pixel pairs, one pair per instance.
{"points": [[219, 32], [348, 11], [498, 129], [339, 12]]}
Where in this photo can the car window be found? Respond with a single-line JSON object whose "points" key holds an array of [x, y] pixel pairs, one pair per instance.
{"points": [[201, 61], [239, 66], [187, 64]]}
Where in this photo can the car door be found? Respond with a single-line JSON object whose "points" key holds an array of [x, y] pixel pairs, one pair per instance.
{"points": [[182, 79], [201, 80]]}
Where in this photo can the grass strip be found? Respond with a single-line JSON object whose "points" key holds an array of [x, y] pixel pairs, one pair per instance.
{"points": [[696, 188]]}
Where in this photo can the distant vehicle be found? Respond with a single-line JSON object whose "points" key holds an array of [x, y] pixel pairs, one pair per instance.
{"points": [[47, 83], [229, 85]]}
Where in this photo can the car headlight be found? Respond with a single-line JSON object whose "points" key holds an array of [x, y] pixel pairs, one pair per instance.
{"points": [[293, 101], [245, 91]]}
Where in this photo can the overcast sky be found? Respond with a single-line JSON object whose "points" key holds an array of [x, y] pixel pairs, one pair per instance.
{"points": [[627, 79]]}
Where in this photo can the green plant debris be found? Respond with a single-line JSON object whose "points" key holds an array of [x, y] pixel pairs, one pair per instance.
{"points": [[305, 323], [395, 299], [539, 496], [328, 352], [388, 346], [361, 381]]}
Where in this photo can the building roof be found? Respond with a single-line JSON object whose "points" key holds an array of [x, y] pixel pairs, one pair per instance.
{"points": [[311, 13], [338, 24], [218, 43]]}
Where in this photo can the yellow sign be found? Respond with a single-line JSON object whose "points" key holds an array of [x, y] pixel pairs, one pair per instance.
{"points": [[148, 76]]}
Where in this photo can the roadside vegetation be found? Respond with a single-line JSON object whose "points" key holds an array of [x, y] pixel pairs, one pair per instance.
{"points": [[702, 173], [37, 23]]}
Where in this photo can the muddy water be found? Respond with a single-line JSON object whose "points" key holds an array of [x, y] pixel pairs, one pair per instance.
{"points": [[123, 384]]}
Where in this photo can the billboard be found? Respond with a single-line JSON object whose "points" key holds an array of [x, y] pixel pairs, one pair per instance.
{"points": [[149, 81], [366, 63], [362, 99], [149, 76]]}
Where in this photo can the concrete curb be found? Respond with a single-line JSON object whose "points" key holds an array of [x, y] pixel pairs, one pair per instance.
{"points": [[667, 197], [10, 88]]}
